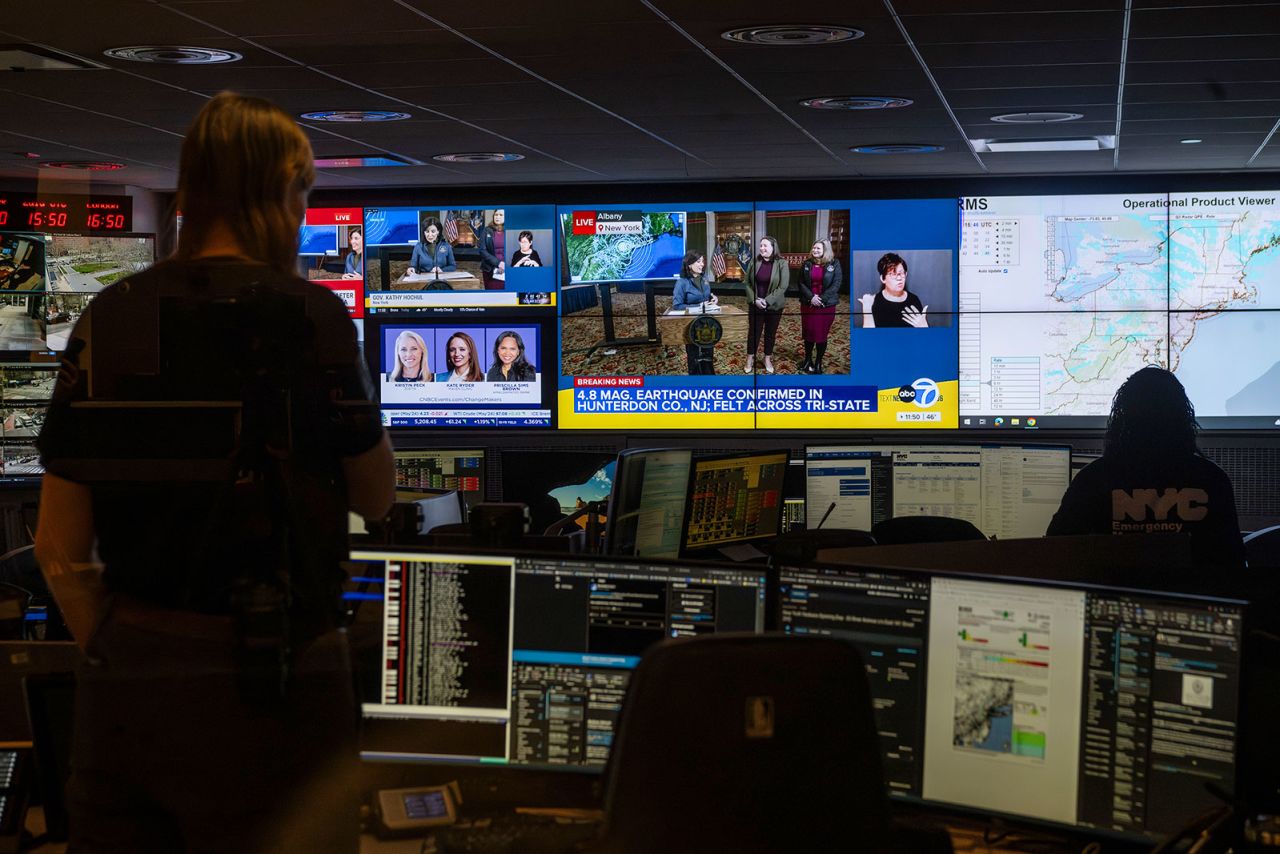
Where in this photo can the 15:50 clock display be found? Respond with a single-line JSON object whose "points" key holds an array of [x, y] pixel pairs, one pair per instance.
{"points": [[33, 212]]}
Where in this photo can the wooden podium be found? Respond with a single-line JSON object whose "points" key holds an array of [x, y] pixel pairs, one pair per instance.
{"points": [[733, 321]]}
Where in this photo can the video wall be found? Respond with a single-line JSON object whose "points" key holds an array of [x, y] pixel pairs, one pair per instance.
{"points": [[996, 313]]}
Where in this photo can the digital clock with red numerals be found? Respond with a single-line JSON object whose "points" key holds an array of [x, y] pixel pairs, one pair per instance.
{"points": [[38, 212]]}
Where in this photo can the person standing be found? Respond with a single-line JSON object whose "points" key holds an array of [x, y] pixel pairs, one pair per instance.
{"points": [[819, 294], [492, 243], [765, 283], [188, 734]]}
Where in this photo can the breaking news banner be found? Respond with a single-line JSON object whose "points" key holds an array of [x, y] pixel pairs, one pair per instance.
{"points": [[738, 316]]}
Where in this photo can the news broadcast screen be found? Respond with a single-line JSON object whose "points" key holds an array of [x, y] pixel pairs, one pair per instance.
{"points": [[1064, 297], [331, 253], [425, 258], [80, 266], [482, 372], [775, 315]]}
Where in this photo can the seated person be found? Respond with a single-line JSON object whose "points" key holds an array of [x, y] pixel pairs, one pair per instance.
{"points": [[464, 367], [1151, 477], [432, 254], [526, 255], [692, 288], [509, 363]]}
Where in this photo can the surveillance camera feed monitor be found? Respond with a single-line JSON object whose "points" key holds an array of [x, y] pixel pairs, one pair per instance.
{"points": [[723, 315]]}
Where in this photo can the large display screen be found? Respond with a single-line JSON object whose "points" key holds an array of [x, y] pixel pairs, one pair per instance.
{"points": [[1063, 297], [331, 253], [426, 258], [484, 372], [773, 315]]}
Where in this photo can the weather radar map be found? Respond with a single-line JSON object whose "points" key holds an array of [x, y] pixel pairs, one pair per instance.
{"points": [[1224, 289], [1061, 299], [608, 246]]}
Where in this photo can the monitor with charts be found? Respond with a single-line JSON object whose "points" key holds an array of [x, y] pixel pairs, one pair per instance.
{"points": [[1097, 708]]}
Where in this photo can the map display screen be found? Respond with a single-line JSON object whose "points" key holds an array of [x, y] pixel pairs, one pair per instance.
{"points": [[1063, 297], [1224, 295]]}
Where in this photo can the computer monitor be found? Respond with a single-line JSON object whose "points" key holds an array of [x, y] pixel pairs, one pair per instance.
{"points": [[462, 469], [500, 659], [1006, 491], [1097, 708], [554, 483], [646, 506], [734, 499]]}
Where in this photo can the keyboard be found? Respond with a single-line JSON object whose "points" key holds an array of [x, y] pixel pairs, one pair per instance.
{"points": [[513, 832]]}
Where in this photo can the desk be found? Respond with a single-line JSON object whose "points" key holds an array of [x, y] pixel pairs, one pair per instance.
{"points": [[458, 281], [733, 321]]}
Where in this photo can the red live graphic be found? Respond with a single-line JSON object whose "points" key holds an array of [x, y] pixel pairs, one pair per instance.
{"points": [[584, 222]]}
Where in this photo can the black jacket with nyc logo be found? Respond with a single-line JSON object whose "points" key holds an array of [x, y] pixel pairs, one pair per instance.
{"points": [[1188, 494]]}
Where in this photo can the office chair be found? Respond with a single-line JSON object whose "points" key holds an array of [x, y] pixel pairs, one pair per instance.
{"points": [[1262, 548], [924, 529], [748, 743]]}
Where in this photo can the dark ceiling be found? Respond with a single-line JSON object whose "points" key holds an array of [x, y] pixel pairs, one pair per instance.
{"points": [[647, 90]]}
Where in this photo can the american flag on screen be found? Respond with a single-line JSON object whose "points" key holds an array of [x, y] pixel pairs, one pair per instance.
{"points": [[717, 261], [451, 226]]}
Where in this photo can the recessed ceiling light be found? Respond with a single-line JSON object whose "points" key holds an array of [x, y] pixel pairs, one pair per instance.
{"points": [[172, 54], [897, 148], [1046, 117], [83, 165], [355, 116], [1191, 141], [788, 35], [1087, 143], [479, 157], [856, 102]]}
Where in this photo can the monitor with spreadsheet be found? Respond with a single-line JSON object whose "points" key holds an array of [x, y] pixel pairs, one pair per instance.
{"points": [[522, 660], [443, 468], [1098, 708], [734, 499], [1006, 491], [646, 506]]}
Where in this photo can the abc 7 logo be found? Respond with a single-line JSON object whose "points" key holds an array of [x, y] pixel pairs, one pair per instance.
{"points": [[923, 393]]}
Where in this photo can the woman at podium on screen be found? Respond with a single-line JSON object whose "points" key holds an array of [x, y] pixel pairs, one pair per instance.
{"points": [[894, 305], [509, 363], [433, 254], [765, 283], [411, 359], [464, 367], [819, 293], [692, 288]]}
